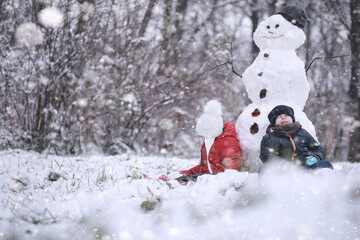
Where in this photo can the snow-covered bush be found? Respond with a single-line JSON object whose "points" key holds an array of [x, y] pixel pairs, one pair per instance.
{"points": [[89, 76]]}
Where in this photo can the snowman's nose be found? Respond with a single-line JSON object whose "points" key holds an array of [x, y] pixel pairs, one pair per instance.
{"points": [[271, 32]]}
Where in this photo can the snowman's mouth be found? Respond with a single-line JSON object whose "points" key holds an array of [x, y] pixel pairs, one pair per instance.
{"points": [[273, 36]]}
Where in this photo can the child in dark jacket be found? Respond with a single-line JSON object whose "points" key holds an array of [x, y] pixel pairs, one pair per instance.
{"points": [[285, 138]]}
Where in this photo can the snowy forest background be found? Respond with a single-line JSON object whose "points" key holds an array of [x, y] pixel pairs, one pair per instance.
{"points": [[133, 75]]}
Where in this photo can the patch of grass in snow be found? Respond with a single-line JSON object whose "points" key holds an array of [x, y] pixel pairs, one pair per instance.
{"points": [[43, 218], [148, 205], [53, 176], [102, 177], [93, 229], [24, 182]]}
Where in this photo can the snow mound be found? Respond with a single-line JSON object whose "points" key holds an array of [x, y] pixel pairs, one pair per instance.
{"points": [[125, 197]]}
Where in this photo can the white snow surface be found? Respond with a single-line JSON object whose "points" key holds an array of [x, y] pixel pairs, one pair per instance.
{"points": [[99, 197]]}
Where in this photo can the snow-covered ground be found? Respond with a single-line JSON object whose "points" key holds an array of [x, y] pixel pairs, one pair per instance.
{"points": [[102, 197]]}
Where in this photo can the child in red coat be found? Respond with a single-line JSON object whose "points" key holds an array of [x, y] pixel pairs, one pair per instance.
{"points": [[220, 149]]}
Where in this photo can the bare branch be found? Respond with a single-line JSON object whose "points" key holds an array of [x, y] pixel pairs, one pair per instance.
{"points": [[322, 58], [227, 63], [235, 72], [213, 68], [146, 18], [231, 59]]}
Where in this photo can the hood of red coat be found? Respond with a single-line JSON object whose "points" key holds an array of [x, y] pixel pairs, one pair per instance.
{"points": [[229, 130]]}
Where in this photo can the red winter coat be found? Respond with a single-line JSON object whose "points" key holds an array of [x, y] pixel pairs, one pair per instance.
{"points": [[224, 153]]}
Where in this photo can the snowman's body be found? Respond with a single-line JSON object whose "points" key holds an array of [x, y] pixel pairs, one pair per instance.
{"points": [[276, 77], [281, 73]]}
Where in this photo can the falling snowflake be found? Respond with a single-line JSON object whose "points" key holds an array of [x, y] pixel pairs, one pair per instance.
{"points": [[82, 102], [31, 86], [130, 97], [44, 80], [166, 124], [51, 17], [87, 9], [28, 34]]}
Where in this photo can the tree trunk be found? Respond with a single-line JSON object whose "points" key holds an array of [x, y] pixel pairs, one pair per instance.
{"points": [[1, 9], [255, 22], [354, 146], [146, 18], [180, 16], [272, 6]]}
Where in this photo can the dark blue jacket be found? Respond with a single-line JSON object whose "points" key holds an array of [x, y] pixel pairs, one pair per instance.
{"points": [[295, 147]]}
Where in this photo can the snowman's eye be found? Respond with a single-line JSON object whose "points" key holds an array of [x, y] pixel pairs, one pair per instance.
{"points": [[277, 25], [268, 27]]}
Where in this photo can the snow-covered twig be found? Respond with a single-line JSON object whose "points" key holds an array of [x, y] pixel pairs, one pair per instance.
{"points": [[233, 70], [213, 68], [227, 63], [52, 216], [231, 60], [326, 57]]}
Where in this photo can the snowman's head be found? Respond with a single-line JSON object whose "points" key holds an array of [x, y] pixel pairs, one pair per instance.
{"points": [[278, 33]]}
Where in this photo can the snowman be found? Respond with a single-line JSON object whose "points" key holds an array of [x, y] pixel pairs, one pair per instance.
{"points": [[276, 77]]}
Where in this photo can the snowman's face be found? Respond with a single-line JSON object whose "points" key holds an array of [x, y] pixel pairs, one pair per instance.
{"points": [[278, 33]]}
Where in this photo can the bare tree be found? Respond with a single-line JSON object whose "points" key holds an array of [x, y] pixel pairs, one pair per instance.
{"points": [[121, 75], [354, 35]]}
